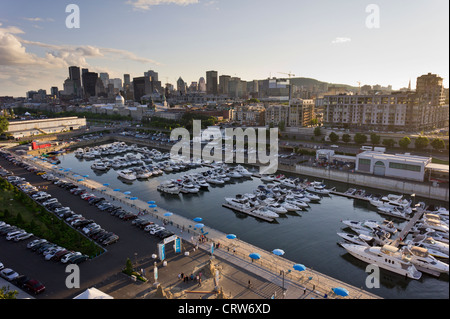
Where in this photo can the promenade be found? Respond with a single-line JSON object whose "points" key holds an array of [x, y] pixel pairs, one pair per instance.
{"points": [[293, 283]]}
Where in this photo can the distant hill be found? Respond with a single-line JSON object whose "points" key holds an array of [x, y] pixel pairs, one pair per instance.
{"points": [[308, 82]]}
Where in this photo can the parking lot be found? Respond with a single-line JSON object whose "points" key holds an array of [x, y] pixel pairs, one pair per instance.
{"points": [[133, 243]]}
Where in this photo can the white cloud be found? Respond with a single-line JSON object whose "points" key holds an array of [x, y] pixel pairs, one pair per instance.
{"points": [[340, 40], [147, 4]]}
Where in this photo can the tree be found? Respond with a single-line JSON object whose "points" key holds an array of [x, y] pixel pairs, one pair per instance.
{"points": [[281, 126], [314, 121], [404, 142], [389, 142], [346, 138], [5, 293], [360, 138], [375, 139], [421, 142], [438, 144], [317, 131], [333, 137], [4, 124]]}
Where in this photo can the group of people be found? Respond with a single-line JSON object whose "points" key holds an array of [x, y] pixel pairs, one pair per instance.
{"points": [[186, 278]]}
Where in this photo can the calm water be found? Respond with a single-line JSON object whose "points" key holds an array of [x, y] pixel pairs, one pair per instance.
{"points": [[308, 237]]}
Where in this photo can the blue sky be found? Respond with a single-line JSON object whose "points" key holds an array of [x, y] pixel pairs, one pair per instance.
{"points": [[252, 39]]}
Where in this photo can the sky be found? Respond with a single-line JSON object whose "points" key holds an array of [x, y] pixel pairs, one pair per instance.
{"points": [[386, 42]]}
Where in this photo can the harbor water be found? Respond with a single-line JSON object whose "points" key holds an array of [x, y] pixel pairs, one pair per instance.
{"points": [[308, 237]]}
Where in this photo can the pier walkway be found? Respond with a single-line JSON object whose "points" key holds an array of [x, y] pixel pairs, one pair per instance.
{"points": [[296, 284]]}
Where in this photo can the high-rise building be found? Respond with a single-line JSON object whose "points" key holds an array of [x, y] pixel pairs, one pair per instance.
{"points": [[223, 84], [181, 86], [74, 75], [139, 88], [105, 79], [89, 83], [54, 92], [211, 82], [202, 84], [431, 89]]}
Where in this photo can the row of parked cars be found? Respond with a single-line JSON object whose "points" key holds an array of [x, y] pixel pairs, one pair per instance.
{"points": [[22, 281], [152, 228], [13, 233]]}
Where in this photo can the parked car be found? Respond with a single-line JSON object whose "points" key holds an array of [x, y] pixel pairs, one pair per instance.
{"points": [[8, 274], [23, 236], [1, 265], [78, 259], [65, 259], [110, 240], [34, 286]]}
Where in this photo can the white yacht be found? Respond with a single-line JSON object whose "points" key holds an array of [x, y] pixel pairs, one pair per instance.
{"points": [[421, 257], [215, 180], [277, 208], [127, 174], [100, 166], [268, 178], [263, 211], [371, 225], [385, 257], [142, 173], [394, 211], [297, 202], [243, 171], [189, 188], [356, 239], [436, 248], [169, 188], [241, 204], [290, 207], [433, 223]]}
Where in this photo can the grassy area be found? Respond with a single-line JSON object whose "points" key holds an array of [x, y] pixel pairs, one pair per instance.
{"points": [[20, 210], [439, 161]]}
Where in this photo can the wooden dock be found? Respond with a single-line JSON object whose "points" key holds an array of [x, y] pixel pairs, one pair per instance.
{"points": [[405, 231], [249, 212]]}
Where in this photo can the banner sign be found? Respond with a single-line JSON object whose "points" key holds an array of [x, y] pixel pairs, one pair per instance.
{"points": [[178, 245], [161, 252]]}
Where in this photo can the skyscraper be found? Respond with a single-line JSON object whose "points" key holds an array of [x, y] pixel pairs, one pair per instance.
{"points": [[89, 83], [139, 88], [202, 84], [223, 84], [211, 82], [74, 75]]}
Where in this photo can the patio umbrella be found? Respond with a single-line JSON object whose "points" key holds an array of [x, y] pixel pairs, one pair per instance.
{"points": [[231, 236], [127, 193], [152, 206], [278, 252], [85, 175], [151, 202], [197, 219], [133, 198], [117, 190], [106, 184], [255, 256], [200, 225], [168, 214], [299, 267], [80, 180], [340, 291]]}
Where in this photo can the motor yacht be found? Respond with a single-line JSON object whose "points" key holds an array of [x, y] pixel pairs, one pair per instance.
{"points": [[356, 239], [265, 212], [433, 223], [169, 188], [268, 178], [243, 171], [100, 166], [189, 188], [421, 257], [385, 257], [127, 174], [277, 208], [142, 173], [441, 248], [371, 225], [241, 204]]}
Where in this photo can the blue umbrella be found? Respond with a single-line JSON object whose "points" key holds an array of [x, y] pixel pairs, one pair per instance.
{"points": [[278, 252], [200, 225], [106, 184], [231, 236], [75, 175], [80, 180], [85, 175], [340, 291], [168, 214], [254, 256], [299, 267], [127, 193], [197, 219], [117, 190], [133, 198], [151, 202], [152, 206]]}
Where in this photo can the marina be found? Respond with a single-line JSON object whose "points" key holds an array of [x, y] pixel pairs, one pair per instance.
{"points": [[292, 231]]}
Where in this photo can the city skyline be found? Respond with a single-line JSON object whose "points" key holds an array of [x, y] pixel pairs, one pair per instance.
{"points": [[330, 42]]}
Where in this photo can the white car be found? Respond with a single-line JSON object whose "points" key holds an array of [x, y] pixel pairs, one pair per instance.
{"points": [[14, 234], [23, 236], [1, 266], [35, 242], [66, 258], [150, 227], [50, 201], [8, 274], [156, 229]]}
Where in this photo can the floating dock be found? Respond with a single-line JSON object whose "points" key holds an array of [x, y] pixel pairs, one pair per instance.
{"points": [[249, 212]]}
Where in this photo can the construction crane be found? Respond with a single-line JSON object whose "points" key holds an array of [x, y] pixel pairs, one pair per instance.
{"points": [[289, 74]]}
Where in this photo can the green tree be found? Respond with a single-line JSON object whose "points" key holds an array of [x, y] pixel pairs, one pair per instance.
{"points": [[404, 142], [333, 137], [5, 293], [4, 124], [282, 126], [421, 142], [437, 144], [389, 142], [317, 131], [375, 139], [346, 138], [360, 138]]}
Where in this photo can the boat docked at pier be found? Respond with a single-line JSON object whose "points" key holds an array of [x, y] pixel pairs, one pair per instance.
{"points": [[127, 174], [385, 257], [169, 187]]}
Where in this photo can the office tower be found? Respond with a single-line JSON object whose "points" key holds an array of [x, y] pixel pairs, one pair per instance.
{"points": [[139, 88], [152, 74], [126, 80], [223, 84], [89, 83], [181, 86], [74, 75], [211, 82], [105, 79], [54, 91], [202, 84]]}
